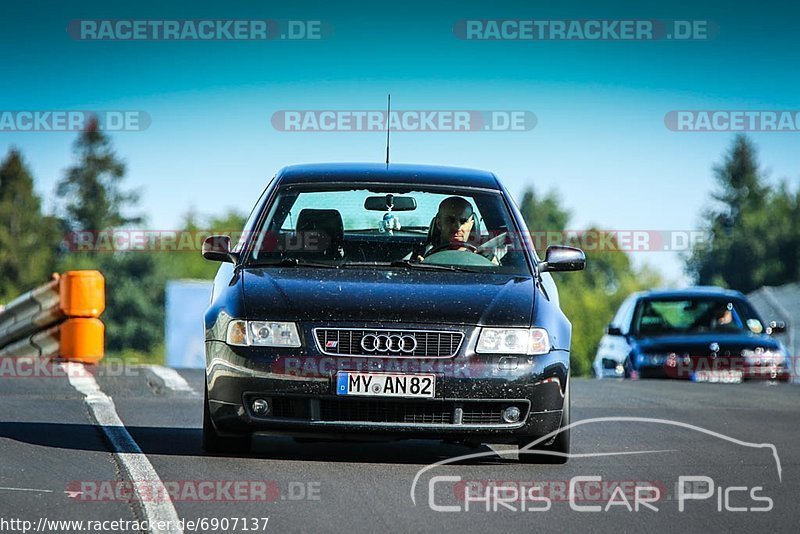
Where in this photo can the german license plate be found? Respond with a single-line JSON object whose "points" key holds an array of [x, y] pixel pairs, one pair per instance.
{"points": [[385, 385], [719, 377]]}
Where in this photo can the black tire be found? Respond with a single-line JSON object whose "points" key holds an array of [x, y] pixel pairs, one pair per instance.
{"points": [[213, 442], [561, 443], [628, 368]]}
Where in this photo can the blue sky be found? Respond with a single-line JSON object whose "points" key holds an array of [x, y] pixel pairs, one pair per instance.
{"points": [[600, 141]]}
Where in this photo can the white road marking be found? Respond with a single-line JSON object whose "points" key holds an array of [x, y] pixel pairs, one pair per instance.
{"points": [[27, 489], [502, 450], [39, 490], [171, 379], [131, 458]]}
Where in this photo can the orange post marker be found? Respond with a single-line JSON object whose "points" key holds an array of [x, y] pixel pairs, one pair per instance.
{"points": [[82, 293], [83, 339]]}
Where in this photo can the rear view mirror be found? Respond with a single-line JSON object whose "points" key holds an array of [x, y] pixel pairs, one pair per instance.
{"points": [[218, 248], [390, 203], [561, 258]]}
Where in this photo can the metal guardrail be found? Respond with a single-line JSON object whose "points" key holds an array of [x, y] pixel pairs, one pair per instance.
{"points": [[57, 319], [31, 311]]}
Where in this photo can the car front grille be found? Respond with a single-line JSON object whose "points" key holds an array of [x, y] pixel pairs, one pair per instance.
{"points": [[483, 413], [291, 408], [401, 411], [370, 411], [426, 344]]}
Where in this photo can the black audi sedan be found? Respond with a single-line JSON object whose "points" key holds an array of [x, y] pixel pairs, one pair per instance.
{"points": [[371, 301], [705, 334]]}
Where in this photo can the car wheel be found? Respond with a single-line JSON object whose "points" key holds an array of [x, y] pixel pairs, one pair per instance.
{"points": [[560, 445], [213, 442], [629, 371]]}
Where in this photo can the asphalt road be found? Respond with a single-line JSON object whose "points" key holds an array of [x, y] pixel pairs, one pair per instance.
{"points": [[58, 464]]}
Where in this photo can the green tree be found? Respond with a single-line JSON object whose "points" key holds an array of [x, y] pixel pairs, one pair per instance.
{"points": [[753, 229], [94, 202], [135, 302], [28, 239], [590, 297], [94, 199], [186, 262], [545, 214]]}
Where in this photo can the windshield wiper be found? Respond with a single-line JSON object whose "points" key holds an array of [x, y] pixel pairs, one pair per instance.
{"points": [[297, 262], [430, 266]]}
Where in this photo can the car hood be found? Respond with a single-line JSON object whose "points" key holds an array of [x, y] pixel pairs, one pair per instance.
{"points": [[390, 295], [732, 343]]}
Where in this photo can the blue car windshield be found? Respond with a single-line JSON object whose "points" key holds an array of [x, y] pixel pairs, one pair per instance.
{"points": [[389, 226], [661, 317]]}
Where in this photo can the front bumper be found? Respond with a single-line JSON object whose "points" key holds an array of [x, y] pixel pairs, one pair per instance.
{"points": [[609, 368], [690, 368], [470, 393]]}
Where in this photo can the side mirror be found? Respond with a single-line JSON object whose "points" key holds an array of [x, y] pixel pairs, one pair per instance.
{"points": [[218, 248], [561, 258], [612, 330], [776, 327]]}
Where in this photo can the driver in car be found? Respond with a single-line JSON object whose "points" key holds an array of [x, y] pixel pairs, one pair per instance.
{"points": [[453, 226], [455, 221]]}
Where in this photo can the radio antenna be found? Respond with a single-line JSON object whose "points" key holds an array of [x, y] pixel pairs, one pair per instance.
{"points": [[388, 112]]}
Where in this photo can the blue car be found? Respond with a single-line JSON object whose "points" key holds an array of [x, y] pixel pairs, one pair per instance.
{"points": [[706, 334]]}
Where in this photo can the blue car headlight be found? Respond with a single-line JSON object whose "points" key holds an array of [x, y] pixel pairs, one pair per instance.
{"points": [[651, 359]]}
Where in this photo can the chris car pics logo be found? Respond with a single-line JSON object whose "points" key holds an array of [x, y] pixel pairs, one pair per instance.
{"points": [[451, 493]]}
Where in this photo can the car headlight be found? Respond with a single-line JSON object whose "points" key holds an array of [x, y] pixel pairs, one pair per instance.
{"points": [[262, 334], [655, 359], [528, 341]]}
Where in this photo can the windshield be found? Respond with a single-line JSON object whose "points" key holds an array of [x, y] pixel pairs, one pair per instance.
{"points": [[693, 316], [337, 225]]}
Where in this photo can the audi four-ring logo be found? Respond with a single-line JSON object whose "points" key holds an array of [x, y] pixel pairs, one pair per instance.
{"points": [[388, 343]]}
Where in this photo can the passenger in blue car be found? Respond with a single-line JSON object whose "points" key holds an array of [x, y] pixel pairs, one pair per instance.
{"points": [[724, 319]]}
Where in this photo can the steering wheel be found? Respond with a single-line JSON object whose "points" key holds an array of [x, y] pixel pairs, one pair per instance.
{"points": [[450, 246]]}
